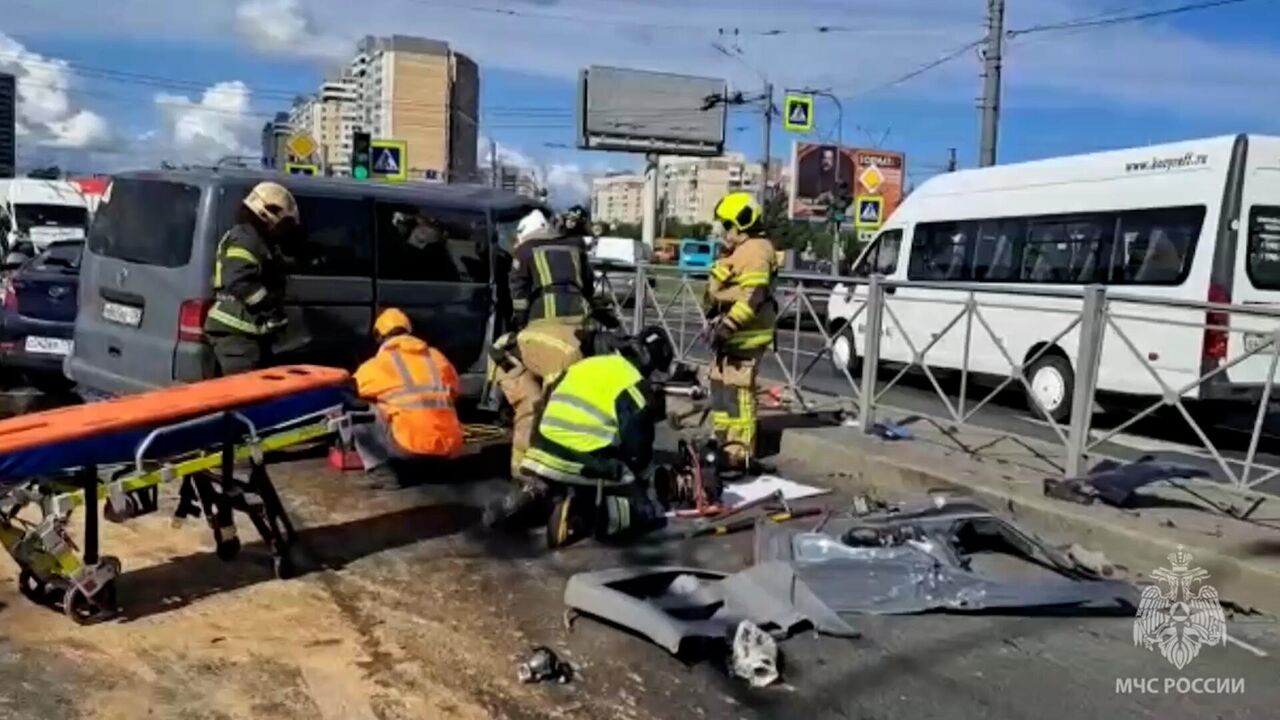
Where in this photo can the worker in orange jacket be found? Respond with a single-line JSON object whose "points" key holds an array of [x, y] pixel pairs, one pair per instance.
{"points": [[414, 387]]}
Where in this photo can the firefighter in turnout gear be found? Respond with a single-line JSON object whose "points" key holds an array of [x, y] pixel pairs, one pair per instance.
{"points": [[248, 281], [593, 446], [743, 310], [413, 387], [553, 291]]}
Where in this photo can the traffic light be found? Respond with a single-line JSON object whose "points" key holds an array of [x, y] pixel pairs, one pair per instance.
{"points": [[361, 156]]}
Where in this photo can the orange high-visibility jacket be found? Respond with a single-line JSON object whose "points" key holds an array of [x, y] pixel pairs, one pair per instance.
{"points": [[414, 386]]}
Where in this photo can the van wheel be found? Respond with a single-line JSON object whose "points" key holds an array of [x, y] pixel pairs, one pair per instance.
{"points": [[844, 351], [1052, 383]]}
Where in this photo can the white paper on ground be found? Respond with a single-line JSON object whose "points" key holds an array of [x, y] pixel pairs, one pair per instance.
{"points": [[766, 485]]}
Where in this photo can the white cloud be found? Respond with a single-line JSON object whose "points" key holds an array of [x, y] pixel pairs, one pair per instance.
{"points": [[217, 125], [47, 115], [566, 183], [285, 27]]}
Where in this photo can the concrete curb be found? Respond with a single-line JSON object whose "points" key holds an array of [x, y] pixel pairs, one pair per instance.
{"points": [[1244, 564]]}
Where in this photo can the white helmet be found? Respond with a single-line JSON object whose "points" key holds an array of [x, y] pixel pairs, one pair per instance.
{"points": [[530, 224], [272, 202]]}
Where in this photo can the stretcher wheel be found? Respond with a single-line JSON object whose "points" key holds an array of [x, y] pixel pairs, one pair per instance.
{"points": [[102, 606], [90, 611], [33, 588]]}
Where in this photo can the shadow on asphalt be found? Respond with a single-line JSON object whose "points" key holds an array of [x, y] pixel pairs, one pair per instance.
{"points": [[770, 428], [188, 579]]}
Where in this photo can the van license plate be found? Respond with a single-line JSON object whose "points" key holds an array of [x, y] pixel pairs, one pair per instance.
{"points": [[122, 314], [48, 345]]}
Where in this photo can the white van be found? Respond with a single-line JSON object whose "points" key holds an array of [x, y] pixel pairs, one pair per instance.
{"points": [[607, 250], [41, 212], [1189, 221]]}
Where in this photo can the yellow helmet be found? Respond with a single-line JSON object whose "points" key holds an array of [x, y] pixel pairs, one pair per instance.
{"points": [[738, 210], [272, 202], [391, 320]]}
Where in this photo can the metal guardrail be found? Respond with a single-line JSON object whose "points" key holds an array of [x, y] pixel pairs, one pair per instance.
{"points": [[1086, 319]]}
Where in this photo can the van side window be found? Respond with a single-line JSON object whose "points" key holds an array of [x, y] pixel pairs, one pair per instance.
{"points": [[882, 258], [334, 238], [1068, 250], [1155, 247], [941, 251], [425, 244], [997, 252], [1264, 247]]}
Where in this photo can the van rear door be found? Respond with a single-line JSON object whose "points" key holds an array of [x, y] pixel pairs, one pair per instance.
{"points": [[1257, 279], [136, 273]]}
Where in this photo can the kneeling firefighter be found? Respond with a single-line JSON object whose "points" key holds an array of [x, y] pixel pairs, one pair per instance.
{"points": [[414, 387], [593, 446], [553, 299], [743, 311]]}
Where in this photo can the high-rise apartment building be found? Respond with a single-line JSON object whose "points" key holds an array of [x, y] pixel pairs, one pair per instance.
{"points": [[8, 126], [421, 92], [275, 136], [618, 199], [410, 89]]}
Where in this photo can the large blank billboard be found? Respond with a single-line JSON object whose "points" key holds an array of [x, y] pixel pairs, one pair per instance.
{"points": [[642, 111]]}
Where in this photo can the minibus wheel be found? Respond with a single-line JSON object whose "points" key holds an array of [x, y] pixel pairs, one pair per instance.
{"points": [[1051, 383]]}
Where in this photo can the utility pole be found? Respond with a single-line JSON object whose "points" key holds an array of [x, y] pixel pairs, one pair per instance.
{"points": [[649, 226], [992, 57], [951, 160], [768, 142], [493, 162]]}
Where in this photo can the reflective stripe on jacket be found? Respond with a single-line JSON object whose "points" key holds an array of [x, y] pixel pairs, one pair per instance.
{"points": [[414, 386], [741, 285], [581, 413], [243, 277], [551, 279]]}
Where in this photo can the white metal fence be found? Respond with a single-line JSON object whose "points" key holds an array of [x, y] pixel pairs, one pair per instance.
{"points": [[1078, 323]]}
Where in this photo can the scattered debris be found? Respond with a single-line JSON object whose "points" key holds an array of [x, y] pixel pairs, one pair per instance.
{"points": [[544, 665], [1116, 483], [1093, 561], [755, 655], [919, 558], [892, 431]]}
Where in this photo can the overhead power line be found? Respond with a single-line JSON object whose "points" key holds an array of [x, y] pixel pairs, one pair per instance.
{"points": [[1096, 22]]}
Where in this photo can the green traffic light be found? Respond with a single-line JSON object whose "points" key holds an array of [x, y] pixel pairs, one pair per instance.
{"points": [[360, 173]]}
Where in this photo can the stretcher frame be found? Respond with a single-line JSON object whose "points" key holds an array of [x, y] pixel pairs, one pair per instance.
{"points": [[53, 573]]}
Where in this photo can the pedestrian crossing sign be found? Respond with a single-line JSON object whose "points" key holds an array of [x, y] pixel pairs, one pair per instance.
{"points": [[870, 212], [797, 113], [389, 160]]}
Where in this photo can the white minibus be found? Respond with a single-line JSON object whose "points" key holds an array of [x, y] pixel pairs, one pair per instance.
{"points": [[1189, 221]]}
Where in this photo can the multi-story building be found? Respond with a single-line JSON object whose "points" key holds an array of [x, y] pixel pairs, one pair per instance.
{"points": [[275, 137], [420, 92], [618, 199], [8, 126], [410, 89], [691, 187]]}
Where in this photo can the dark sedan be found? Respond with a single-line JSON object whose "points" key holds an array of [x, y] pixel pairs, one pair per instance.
{"points": [[39, 314]]}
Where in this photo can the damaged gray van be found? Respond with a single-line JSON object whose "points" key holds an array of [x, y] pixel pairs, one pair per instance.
{"points": [[438, 252]]}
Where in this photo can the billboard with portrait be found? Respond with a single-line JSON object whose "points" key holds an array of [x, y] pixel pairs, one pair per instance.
{"points": [[821, 172]]}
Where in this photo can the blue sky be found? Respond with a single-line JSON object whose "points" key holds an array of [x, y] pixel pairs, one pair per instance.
{"points": [[149, 79]]}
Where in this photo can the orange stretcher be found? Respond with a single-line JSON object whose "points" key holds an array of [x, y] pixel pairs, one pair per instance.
{"points": [[194, 433]]}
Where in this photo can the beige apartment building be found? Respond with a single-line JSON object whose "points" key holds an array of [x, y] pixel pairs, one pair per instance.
{"points": [[618, 199], [411, 89], [689, 188]]}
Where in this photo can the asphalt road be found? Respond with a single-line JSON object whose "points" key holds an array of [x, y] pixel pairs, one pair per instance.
{"points": [[408, 609]]}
